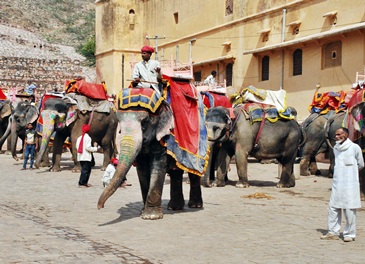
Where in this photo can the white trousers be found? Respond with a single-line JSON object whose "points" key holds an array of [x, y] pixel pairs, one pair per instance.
{"points": [[335, 219]]}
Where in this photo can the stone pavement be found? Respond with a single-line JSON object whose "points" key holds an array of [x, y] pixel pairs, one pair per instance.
{"points": [[46, 218]]}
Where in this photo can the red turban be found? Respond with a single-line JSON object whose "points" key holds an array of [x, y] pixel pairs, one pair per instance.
{"points": [[85, 128], [114, 161], [148, 49]]}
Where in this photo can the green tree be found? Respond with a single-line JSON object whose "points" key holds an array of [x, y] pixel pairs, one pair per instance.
{"points": [[88, 51]]}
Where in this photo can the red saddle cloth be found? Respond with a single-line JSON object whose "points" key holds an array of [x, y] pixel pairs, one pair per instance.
{"points": [[217, 99], [90, 90], [2, 95]]}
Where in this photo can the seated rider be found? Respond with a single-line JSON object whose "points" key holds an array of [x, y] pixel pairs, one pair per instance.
{"points": [[147, 73]]}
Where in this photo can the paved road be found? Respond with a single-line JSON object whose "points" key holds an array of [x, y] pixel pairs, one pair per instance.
{"points": [[46, 218]]}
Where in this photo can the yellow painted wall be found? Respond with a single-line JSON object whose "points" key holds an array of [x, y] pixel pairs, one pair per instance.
{"points": [[118, 35]]}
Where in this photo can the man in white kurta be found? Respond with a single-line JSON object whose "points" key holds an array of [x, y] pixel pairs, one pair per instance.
{"points": [[147, 73], [345, 195]]}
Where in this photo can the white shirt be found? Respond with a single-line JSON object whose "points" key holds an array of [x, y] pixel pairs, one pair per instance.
{"points": [[345, 185], [108, 174], [87, 148], [146, 71], [210, 80]]}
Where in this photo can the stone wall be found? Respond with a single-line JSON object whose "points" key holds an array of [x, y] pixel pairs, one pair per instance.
{"points": [[47, 74], [27, 58]]}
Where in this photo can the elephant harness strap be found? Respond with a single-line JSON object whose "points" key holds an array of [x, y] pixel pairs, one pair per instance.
{"points": [[91, 115], [256, 146]]}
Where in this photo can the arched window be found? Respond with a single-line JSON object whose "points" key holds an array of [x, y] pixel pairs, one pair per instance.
{"points": [[229, 74], [265, 63], [297, 62]]}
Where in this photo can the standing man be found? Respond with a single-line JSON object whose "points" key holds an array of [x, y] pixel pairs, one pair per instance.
{"points": [[210, 80], [84, 155], [345, 187], [30, 146], [147, 70]]}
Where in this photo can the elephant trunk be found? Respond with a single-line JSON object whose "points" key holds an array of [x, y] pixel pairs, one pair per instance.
{"points": [[130, 147], [48, 129], [6, 134], [14, 139]]}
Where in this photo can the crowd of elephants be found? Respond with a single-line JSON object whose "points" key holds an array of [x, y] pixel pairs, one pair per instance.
{"points": [[140, 144]]}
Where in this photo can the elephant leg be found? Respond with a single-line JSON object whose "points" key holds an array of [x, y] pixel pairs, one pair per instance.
{"points": [[287, 178], [57, 152], [108, 153], [222, 168], [332, 165], [177, 201], [362, 184], [313, 168], [304, 166], [241, 163], [152, 208], [195, 196]]}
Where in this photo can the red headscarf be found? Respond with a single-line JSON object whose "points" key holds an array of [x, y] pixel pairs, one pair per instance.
{"points": [[148, 49], [114, 161], [85, 128]]}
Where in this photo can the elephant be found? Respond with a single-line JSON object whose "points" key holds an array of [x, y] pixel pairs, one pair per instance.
{"points": [[318, 131], [62, 116], [5, 113], [238, 137], [23, 114], [144, 134]]}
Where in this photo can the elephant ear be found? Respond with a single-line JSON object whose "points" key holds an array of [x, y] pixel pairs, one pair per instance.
{"points": [[71, 114], [32, 114], [5, 110], [166, 122]]}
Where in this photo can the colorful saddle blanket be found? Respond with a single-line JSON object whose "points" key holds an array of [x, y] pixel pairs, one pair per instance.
{"points": [[90, 90], [257, 111], [324, 102], [212, 99], [143, 97], [354, 119], [2, 95], [188, 142]]}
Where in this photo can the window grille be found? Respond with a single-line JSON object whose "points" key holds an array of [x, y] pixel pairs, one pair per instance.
{"points": [[297, 62], [265, 68]]}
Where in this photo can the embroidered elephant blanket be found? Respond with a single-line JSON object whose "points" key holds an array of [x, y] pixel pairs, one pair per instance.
{"points": [[212, 99], [91, 90], [143, 97], [188, 143], [324, 102], [256, 112]]}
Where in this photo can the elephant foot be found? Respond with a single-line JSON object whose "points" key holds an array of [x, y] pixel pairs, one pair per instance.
{"points": [[241, 184], [219, 183], [176, 205], [55, 169], [305, 173], [196, 203], [285, 185], [16, 158], [207, 184], [76, 170], [317, 173], [152, 213], [44, 164]]}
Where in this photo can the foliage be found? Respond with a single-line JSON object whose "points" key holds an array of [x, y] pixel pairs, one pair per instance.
{"points": [[88, 51]]}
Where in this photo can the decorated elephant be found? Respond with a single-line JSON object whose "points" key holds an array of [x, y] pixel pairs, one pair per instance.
{"points": [[262, 140], [64, 116], [146, 139], [318, 131], [5, 113], [23, 114]]}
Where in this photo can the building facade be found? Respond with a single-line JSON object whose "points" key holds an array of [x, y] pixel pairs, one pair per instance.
{"points": [[297, 45]]}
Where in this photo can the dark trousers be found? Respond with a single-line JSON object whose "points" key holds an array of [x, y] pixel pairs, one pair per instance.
{"points": [[85, 172], [29, 150]]}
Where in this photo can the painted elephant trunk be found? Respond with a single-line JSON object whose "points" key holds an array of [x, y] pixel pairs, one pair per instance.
{"points": [[130, 147], [48, 129]]}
